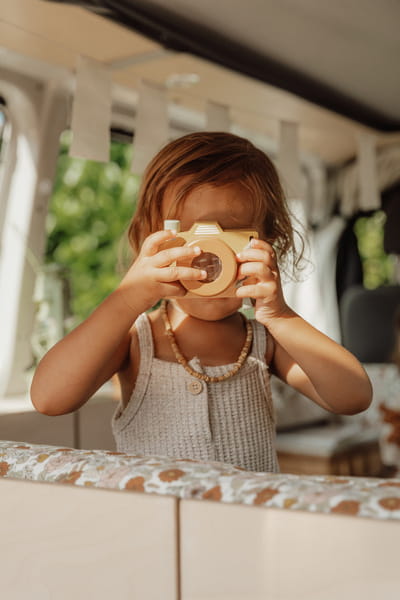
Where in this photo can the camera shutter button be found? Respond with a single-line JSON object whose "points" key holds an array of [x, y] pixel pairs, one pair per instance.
{"points": [[194, 386]]}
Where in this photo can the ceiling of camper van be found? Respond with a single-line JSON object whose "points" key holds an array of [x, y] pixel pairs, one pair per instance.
{"points": [[331, 67]]}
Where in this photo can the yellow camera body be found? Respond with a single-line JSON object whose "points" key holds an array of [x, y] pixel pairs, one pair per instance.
{"points": [[218, 257]]}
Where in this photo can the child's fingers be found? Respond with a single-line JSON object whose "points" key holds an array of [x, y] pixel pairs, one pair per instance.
{"points": [[258, 254], [166, 257], [174, 273], [257, 290], [259, 270], [151, 244], [261, 244]]}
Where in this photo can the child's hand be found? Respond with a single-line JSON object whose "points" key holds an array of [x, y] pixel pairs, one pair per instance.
{"points": [[152, 276], [259, 267]]}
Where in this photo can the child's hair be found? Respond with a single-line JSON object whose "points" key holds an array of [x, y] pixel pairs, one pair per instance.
{"points": [[213, 158]]}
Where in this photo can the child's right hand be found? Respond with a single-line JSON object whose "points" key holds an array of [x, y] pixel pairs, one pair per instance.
{"points": [[153, 276]]}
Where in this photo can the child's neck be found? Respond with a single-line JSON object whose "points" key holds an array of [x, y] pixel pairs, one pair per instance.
{"points": [[213, 342]]}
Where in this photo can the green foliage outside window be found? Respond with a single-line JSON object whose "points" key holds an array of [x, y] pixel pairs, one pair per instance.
{"points": [[90, 209], [378, 267]]}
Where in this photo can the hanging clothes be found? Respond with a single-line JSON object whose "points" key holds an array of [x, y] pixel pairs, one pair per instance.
{"points": [[349, 269]]}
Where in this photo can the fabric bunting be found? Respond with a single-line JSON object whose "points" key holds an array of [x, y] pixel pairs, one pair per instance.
{"points": [[91, 111], [152, 125]]}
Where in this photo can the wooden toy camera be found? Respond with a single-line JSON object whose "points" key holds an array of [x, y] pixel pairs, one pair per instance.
{"points": [[217, 258]]}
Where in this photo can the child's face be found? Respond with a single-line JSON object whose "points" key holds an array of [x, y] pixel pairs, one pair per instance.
{"points": [[232, 207]]}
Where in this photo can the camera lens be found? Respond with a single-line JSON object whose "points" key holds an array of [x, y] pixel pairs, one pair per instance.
{"points": [[209, 262]]}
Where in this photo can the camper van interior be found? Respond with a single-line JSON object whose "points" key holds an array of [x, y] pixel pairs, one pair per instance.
{"points": [[90, 90]]}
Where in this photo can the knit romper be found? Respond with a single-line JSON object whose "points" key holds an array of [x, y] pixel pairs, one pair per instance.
{"points": [[171, 413]]}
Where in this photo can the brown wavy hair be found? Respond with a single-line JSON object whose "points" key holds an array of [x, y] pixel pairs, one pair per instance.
{"points": [[213, 158]]}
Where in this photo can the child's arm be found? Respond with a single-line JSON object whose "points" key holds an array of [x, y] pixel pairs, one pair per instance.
{"points": [[318, 367], [304, 357], [70, 373]]}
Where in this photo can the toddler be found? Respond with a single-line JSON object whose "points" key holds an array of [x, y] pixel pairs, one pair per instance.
{"points": [[194, 373]]}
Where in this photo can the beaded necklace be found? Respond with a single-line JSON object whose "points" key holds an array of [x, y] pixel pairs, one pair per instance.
{"points": [[182, 360]]}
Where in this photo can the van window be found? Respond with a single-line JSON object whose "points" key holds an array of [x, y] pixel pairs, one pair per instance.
{"points": [[90, 208]]}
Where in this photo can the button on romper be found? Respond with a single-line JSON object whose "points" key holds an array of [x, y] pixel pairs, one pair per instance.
{"points": [[171, 413]]}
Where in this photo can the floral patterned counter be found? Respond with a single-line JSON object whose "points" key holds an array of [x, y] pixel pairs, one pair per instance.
{"points": [[187, 479]]}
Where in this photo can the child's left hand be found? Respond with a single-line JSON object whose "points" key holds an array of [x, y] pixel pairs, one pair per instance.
{"points": [[263, 283], [303, 357]]}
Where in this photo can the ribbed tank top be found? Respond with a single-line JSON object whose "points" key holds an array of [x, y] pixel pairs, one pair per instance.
{"points": [[171, 413]]}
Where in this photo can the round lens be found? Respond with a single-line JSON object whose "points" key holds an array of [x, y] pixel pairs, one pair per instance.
{"points": [[209, 262]]}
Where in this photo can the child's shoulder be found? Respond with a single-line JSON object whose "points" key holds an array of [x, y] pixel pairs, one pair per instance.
{"points": [[149, 322], [160, 342]]}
